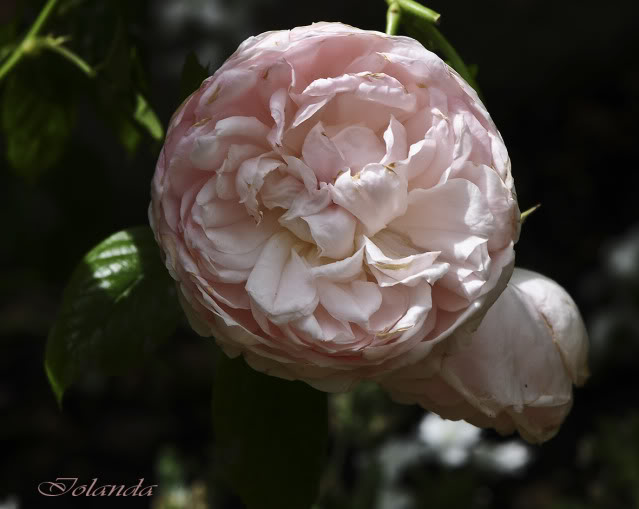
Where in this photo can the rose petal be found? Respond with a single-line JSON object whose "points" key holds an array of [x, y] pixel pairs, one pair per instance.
{"points": [[561, 315], [396, 145], [455, 207], [279, 191], [375, 196], [333, 230], [352, 302], [358, 146], [408, 270], [321, 154], [249, 180], [280, 284]]}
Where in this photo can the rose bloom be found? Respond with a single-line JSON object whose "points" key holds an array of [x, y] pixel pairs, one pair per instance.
{"points": [[517, 370], [336, 205]]}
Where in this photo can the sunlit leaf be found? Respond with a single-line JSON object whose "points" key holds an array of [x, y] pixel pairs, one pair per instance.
{"points": [[270, 435], [146, 117], [119, 304]]}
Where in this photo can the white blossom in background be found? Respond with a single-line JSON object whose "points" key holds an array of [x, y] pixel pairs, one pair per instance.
{"points": [[506, 458], [451, 441], [393, 457], [11, 502]]}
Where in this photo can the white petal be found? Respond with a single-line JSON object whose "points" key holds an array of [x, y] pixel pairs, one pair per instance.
{"points": [[408, 270], [322, 326], [375, 196], [280, 284], [216, 213], [394, 305], [343, 270], [277, 105], [308, 203], [376, 87], [279, 191], [243, 236], [501, 201], [309, 108], [352, 302], [429, 158], [333, 230], [358, 146], [396, 144], [209, 150], [321, 154], [300, 170], [455, 207], [249, 180], [561, 315], [237, 154]]}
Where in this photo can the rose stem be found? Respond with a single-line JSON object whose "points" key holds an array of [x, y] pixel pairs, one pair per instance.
{"points": [[392, 18], [417, 10], [27, 43]]}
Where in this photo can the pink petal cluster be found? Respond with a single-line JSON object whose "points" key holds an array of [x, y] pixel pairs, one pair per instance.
{"points": [[515, 372], [336, 205]]}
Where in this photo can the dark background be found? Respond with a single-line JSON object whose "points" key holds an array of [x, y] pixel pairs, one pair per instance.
{"points": [[561, 80]]}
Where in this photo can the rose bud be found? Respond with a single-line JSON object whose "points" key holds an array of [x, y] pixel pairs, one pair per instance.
{"points": [[334, 203], [515, 372]]}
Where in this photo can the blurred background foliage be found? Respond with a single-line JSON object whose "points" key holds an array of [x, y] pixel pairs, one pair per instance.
{"points": [[561, 80]]}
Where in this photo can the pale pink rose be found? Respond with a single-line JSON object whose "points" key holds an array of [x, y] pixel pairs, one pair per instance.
{"points": [[334, 203], [515, 372]]}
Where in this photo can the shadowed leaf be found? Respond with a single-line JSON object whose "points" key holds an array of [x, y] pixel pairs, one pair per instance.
{"points": [[36, 127], [193, 74], [271, 436]]}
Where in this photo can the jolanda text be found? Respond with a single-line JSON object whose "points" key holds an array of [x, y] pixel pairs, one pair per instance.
{"points": [[71, 486]]}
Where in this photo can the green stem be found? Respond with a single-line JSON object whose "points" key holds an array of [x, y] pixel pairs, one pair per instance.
{"points": [[417, 10], [450, 54], [392, 18], [26, 45], [56, 46]]}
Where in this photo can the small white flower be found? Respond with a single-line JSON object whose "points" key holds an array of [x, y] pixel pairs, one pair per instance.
{"points": [[451, 441], [11, 502], [508, 457]]}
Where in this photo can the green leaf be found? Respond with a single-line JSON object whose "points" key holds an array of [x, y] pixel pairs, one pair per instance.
{"points": [[193, 74], [128, 134], [36, 126], [271, 435], [119, 304], [147, 118], [121, 92]]}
